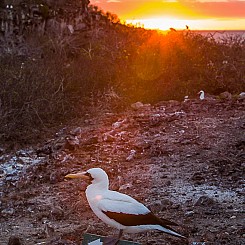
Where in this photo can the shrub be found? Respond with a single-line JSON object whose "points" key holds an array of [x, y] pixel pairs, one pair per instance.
{"points": [[57, 77]]}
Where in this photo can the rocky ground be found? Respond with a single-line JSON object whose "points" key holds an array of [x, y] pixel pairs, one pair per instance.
{"points": [[185, 161]]}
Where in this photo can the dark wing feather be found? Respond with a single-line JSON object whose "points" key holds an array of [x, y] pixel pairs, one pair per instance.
{"points": [[138, 219]]}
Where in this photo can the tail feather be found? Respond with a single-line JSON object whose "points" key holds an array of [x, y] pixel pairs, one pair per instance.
{"points": [[171, 231], [165, 224]]}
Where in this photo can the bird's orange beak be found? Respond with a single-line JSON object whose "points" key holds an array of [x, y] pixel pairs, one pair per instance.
{"points": [[80, 175]]}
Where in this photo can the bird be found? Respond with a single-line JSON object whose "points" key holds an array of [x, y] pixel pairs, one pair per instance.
{"points": [[172, 29], [119, 210], [186, 98], [201, 93], [242, 95]]}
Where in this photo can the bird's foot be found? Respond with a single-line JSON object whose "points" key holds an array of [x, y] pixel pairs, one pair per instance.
{"points": [[110, 241]]}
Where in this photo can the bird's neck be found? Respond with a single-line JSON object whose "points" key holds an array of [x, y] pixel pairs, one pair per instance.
{"points": [[98, 187], [95, 193]]}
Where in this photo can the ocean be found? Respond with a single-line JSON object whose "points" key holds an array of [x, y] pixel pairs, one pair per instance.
{"points": [[220, 35]]}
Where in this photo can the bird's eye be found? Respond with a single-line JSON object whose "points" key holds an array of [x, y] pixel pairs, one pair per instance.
{"points": [[90, 176]]}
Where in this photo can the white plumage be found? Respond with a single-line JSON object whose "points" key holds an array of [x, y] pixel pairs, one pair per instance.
{"points": [[202, 95], [119, 210]]}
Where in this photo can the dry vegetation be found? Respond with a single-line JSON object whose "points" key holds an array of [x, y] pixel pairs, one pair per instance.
{"points": [[182, 159], [50, 79]]}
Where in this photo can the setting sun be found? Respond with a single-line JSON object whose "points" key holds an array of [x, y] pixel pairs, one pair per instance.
{"points": [[159, 23], [180, 24]]}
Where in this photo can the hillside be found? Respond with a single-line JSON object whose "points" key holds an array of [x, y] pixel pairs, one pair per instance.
{"points": [[184, 160], [70, 77], [60, 59]]}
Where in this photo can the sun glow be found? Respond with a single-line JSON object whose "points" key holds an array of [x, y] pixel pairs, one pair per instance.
{"points": [[164, 14], [165, 23], [161, 23]]}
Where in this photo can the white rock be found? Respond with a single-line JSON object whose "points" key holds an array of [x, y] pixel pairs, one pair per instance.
{"points": [[131, 155], [136, 106], [8, 211], [118, 124]]}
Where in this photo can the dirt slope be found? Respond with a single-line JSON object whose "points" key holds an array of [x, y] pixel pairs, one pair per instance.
{"points": [[183, 160]]}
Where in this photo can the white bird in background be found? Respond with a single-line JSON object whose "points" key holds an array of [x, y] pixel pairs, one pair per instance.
{"points": [[186, 98], [201, 93], [119, 210], [242, 95]]}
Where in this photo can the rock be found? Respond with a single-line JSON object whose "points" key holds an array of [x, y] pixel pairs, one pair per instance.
{"points": [[8, 211], [166, 203], [189, 213], [226, 95], [107, 137], [136, 106], [48, 230], [160, 205], [23, 153], [71, 142], [57, 213], [204, 201], [2, 173], [76, 131], [172, 117], [131, 155], [198, 178], [14, 240], [167, 183], [156, 206], [143, 145], [125, 187], [54, 177], [118, 124], [43, 151]]}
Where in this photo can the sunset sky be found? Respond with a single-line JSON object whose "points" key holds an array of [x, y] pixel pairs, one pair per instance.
{"points": [[163, 14]]}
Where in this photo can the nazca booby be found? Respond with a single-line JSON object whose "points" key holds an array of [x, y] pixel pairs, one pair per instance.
{"points": [[202, 96], [120, 210]]}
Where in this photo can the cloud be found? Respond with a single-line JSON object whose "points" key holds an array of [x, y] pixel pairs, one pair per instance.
{"points": [[170, 1], [212, 1], [113, 1]]}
